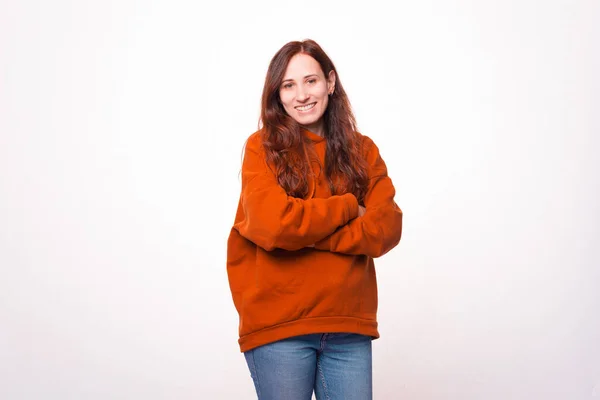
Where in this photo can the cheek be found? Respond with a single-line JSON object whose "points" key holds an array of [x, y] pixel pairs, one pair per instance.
{"points": [[324, 93], [285, 99], [325, 101]]}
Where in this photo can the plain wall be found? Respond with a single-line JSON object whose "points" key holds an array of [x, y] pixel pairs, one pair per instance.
{"points": [[121, 133]]}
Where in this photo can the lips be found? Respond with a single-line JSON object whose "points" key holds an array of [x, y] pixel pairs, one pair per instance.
{"points": [[306, 107]]}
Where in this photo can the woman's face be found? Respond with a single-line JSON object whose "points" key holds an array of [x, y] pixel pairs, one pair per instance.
{"points": [[304, 92]]}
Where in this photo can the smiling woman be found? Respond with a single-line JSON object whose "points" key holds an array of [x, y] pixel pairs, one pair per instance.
{"points": [[305, 90], [316, 208]]}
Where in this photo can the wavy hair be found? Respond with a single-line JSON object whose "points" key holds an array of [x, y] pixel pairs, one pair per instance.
{"points": [[285, 145]]}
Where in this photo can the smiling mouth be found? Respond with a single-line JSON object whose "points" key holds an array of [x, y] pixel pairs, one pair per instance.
{"points": [[306, 107]]}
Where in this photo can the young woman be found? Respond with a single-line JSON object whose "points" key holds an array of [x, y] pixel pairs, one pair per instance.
{"points": [[316, 208]]}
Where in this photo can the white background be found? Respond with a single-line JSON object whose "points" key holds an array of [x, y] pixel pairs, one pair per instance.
{"points": [[121, 133]]}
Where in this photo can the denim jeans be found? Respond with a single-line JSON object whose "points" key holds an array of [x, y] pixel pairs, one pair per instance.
{"points": [[335, 365]]}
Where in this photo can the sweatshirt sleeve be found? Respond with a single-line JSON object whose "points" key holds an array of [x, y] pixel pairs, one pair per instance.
{"points": [[380, 228], [272, 219]]}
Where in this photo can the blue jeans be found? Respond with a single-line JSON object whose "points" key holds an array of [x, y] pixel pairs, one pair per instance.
{"points": [[334, 365]]}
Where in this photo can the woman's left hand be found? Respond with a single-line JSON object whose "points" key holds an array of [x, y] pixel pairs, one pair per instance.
{"points": [[361, 211]]}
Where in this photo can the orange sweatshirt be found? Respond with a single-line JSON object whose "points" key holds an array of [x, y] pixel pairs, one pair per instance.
{"points": [[281, 287]]}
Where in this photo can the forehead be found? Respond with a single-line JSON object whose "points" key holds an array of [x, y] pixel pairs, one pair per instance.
{"points": [[302, 65]]}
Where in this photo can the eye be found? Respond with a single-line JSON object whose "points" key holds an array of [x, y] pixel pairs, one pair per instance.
{"points": [[287, 85], [312, 81]]}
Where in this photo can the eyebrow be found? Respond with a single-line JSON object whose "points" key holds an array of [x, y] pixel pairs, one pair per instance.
{"points": [[307, 76]]}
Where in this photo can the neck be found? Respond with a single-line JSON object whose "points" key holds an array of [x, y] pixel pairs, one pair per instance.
{"points": [[317, 129]]}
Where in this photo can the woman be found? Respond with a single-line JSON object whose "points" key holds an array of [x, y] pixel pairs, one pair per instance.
{"points": [[316, 208]]}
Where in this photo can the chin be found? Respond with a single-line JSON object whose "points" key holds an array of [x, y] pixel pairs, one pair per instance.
{"points": [[306, 121]]}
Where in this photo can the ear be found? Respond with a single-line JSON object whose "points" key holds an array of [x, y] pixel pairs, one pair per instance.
{"points": [[331, 82]]}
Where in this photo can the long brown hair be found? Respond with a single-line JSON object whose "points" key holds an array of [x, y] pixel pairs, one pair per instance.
{"points": [[284, 144]]}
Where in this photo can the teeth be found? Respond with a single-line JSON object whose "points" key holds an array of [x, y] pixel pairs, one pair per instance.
{"points": [[306, 107]]}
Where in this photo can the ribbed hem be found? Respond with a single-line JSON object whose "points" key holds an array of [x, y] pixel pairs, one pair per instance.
{"points": [[307, 326]]}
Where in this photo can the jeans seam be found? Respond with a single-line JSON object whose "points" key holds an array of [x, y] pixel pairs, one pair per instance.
{"points": [[322, 375], [255, 373]]}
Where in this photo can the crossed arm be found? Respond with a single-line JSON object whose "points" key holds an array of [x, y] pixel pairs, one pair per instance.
{"points": [[272, 219]]}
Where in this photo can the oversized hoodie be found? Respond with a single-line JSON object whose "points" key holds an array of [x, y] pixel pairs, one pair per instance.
{"points": [[301, 266]]}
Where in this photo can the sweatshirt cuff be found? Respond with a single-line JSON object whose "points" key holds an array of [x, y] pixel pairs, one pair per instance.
{"points": [[351, 207], [350, 212]]}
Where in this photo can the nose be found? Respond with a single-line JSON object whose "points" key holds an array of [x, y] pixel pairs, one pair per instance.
{"points": [[301, 93]]}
